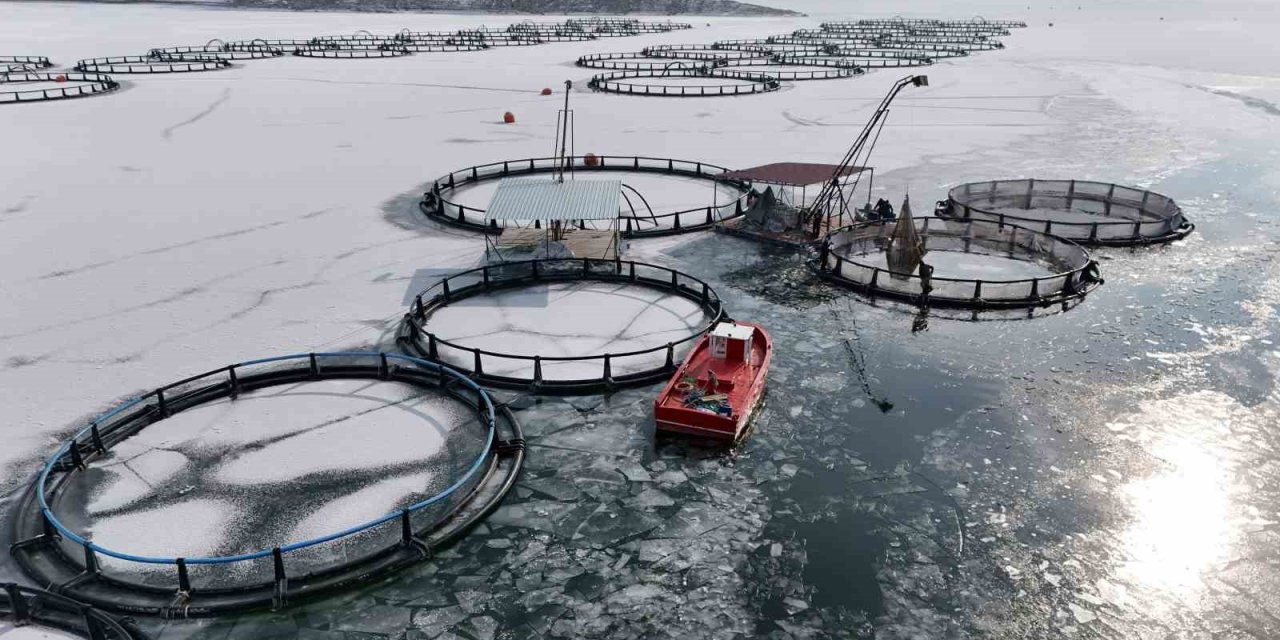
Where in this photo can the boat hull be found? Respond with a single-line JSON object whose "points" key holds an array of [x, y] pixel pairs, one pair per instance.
{"points": [[746, 388]]}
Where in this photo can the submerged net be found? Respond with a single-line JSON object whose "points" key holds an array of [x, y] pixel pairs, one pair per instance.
{"points": [[906, 250]]}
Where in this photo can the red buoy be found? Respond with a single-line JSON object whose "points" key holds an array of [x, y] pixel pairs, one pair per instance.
{"points": [[546, 91], [60, 78], [509, 118], [590, 160]]}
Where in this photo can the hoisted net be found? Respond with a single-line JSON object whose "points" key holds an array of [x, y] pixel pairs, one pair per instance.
{"points": [[906, 250]]}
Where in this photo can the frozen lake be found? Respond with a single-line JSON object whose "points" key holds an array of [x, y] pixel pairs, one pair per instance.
{"points": [[1108, 472]]}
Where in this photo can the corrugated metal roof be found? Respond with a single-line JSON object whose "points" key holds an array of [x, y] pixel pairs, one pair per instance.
{"points": [[530, 199], [794, 174]]}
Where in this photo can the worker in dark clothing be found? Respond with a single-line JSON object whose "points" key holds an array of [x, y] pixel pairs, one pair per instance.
{"points": [[884, 211]]}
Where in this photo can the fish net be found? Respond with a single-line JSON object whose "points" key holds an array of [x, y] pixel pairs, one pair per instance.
{"points": [[1095, 213], [1019, 267]]}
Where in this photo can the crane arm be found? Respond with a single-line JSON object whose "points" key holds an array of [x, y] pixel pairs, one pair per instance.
{"points": [[832, 188]]}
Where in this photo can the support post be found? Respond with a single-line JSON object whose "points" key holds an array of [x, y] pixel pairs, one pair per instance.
{"points": [[280, 594], [184, 578], [97, 438], [406, 528], [91, 564], [18, 605]]}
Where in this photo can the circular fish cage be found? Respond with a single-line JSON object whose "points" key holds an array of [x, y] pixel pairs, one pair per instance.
{"points": [[767, 46], [685, 306], [976, 264], [667, 83], [934, 51], [640, 62], [469, 475], [701, 52], [149, 64], [789, 72], [443, 47], [1086, 212], [440, 203], [332, 52], [488, 39], [24, 62], [214, 52], [28, 606], [862, 58], [42, 86], [264, 44]]}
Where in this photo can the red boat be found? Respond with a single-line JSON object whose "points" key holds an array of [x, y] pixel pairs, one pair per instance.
{"points": [[720, 385]]}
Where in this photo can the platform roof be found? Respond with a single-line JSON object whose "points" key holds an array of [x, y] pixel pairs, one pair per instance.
{"points": [[792, 174], [529, 199]]}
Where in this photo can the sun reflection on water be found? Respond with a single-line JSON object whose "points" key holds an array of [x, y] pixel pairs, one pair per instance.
{"points": [[1182, 513], [1181, 524]]}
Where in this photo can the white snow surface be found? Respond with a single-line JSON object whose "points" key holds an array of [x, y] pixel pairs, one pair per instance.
{"points": [[568, 320], [193, 220], [190, 528], [9, 632], [308, 433], [359, 507]]}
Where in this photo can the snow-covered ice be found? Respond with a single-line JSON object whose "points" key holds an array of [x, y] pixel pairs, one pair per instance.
{"points": [[567, 320], [192, 220]]}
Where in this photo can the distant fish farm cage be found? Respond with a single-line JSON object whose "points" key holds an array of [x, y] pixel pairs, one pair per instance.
{"points": [[218, 52], [787, 71], [24, 62], [45, 86], [1087, 212], [689, 83], [836, 50], [150, 64], [351, 52], [641, 61]]}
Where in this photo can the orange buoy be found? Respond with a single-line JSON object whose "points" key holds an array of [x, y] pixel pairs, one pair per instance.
{"points": [[509, 118], [590, 160], [60, 78], [546, 91]]}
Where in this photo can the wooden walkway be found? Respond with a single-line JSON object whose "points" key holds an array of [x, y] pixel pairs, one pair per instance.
{"points": [[583, 243]]}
